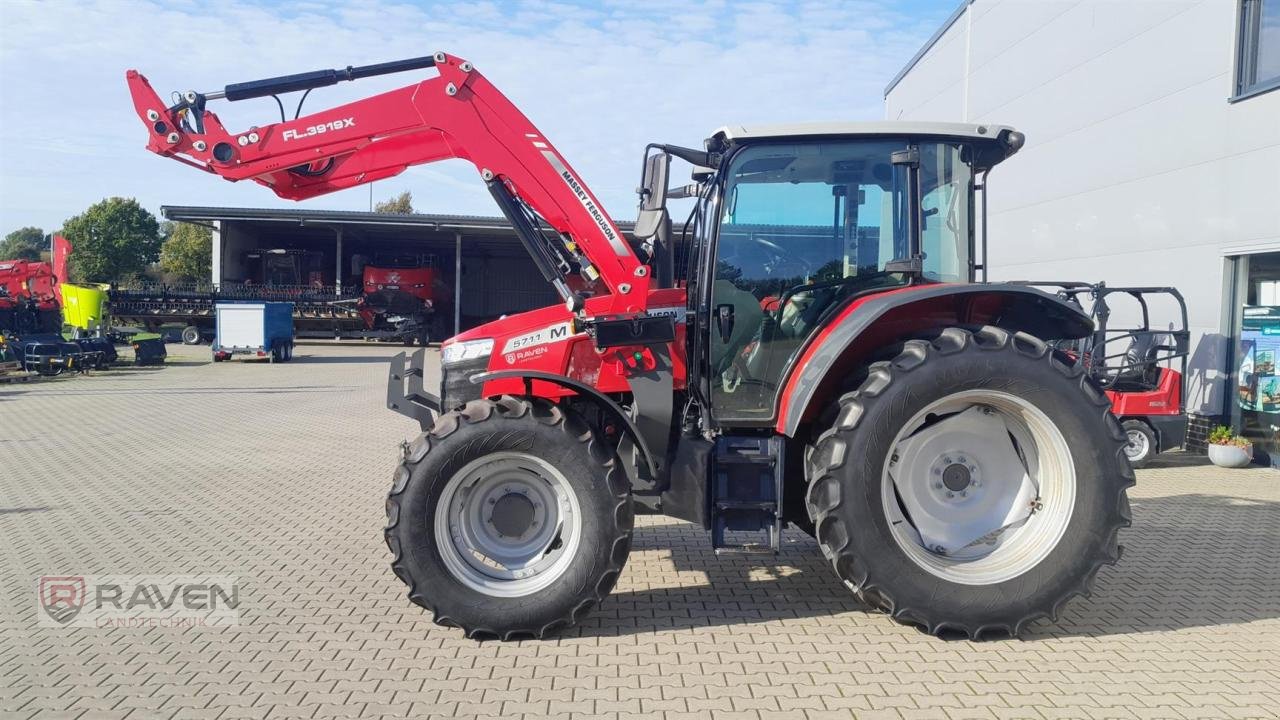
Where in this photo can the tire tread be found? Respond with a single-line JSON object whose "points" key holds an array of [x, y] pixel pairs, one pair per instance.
{"points": [[825, 495], [508, 407]]}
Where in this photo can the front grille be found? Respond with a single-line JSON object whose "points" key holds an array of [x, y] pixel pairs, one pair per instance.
{"points": [[456, 387]]}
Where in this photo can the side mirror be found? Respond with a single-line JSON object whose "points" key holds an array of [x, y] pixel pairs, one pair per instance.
{"points": [[653, 182], [724, 322]]}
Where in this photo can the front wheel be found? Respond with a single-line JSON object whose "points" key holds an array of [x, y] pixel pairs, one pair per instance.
{"points": [[972, 484], [1140, 442], [191, 335], [509, 518]]}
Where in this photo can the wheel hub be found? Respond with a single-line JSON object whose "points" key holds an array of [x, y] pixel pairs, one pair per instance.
{"points": [[955, 475], [508, 525], [1136, 447], [513, 515]]}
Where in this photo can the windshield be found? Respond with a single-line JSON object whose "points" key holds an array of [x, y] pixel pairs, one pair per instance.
{"points": [[804, 225]]}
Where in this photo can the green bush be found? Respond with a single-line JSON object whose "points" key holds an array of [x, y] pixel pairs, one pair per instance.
{"points": [[1222, 435]]}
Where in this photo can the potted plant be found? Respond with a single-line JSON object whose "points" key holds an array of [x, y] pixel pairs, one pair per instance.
{"points": [[1229, 450]]}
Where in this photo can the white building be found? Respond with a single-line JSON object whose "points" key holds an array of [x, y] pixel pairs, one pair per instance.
{"points": [[1152, 158]]}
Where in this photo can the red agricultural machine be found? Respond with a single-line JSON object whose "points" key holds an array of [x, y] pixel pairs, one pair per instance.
{"points": [[400, 296], [956, 471], [29, 298], [1141, 365]]}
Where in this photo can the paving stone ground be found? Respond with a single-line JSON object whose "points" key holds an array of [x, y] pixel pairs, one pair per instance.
{"points": [[276, 474]]}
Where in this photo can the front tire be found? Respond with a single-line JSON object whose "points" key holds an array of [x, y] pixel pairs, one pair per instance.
{"points": [[191, 335], [1140, 441], [972, 484], [509, 518]]}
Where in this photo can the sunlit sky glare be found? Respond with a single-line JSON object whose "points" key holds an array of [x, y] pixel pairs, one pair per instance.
{"points": [[599, 79]]}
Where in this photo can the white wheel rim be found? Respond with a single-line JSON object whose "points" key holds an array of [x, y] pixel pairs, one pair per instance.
{"points": [[507, 524], [979, 487], [1138, 445]]}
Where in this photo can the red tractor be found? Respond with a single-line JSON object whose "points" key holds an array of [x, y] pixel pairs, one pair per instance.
{"points": [[956, 471], [1141, 367]]}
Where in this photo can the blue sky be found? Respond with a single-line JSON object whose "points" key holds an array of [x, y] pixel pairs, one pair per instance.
{"points": [[599, 79]]}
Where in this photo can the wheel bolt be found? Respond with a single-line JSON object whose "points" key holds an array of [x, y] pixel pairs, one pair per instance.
{"points": [[937, 471], [492, 501], [951, 494], [937, 486]]}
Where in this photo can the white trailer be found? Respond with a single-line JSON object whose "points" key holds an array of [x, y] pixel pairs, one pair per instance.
{"points": [[261, 329]]}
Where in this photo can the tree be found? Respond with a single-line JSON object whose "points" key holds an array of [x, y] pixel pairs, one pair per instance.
{"points": [[187, 252], [402, 203], [23, 244], [114, 239]]}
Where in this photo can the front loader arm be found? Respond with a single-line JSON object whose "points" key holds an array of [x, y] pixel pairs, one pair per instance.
{"points": [[457, 114]]}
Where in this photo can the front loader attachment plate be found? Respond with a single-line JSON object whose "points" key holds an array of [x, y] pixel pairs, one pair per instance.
{"points": [[413, 401]]}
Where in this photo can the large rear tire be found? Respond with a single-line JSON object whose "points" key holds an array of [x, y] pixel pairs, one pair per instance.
{"points": [[972, 484], [509, 518]]}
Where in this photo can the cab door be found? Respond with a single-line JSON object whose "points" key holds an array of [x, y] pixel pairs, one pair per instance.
{"points": [[802, 227]]}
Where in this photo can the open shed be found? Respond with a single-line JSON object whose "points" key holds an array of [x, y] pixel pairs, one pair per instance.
{"points": [[483, 270]]}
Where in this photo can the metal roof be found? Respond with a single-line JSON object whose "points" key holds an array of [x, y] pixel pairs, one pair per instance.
{"points": [[347, 217], [975, 131], [946, 25]]}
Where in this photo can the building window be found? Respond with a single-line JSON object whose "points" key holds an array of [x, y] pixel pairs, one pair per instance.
{"points": [[1258, 66]]}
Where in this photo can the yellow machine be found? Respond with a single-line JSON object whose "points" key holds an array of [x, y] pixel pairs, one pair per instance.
{"points": [[85, 308]]}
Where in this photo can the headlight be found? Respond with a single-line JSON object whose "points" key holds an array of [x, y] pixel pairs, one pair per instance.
{"points": [[470, 350]]}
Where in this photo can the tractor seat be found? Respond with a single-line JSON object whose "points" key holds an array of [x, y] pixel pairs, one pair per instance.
{"points": [[1140, 370]]}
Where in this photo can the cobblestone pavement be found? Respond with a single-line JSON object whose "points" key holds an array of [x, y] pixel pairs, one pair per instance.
{"points": [[276, 474]]}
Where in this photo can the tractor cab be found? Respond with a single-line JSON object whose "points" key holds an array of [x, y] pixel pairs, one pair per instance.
{"points": [[797, 219]]}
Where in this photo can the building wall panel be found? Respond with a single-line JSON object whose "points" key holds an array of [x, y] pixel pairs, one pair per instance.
{"points": [[1137, 169]]}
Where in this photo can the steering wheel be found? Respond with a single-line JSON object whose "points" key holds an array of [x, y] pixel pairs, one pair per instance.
{"points": [[779, 256]]}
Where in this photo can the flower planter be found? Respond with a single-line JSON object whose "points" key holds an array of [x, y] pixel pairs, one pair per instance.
{"points": [[1230, 456]]}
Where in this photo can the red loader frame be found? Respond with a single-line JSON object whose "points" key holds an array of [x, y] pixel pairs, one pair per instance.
{"points": [[457, 114]]}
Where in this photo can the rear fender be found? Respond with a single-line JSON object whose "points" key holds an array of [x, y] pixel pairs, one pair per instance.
{"points": [[869, 324]]}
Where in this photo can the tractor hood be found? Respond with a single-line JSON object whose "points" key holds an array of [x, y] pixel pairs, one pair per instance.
{"points": [[514, 324]]}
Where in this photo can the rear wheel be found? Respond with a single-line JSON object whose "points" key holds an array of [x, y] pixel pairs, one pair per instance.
{"points": [[1140, 441], [972, 484], [509, 518], [191, 335]]}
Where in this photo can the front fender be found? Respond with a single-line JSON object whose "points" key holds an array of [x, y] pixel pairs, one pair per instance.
{"points": [[871, 323]]}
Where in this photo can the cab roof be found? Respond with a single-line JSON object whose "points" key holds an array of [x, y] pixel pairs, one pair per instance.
{"points": [[996, 142]]}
